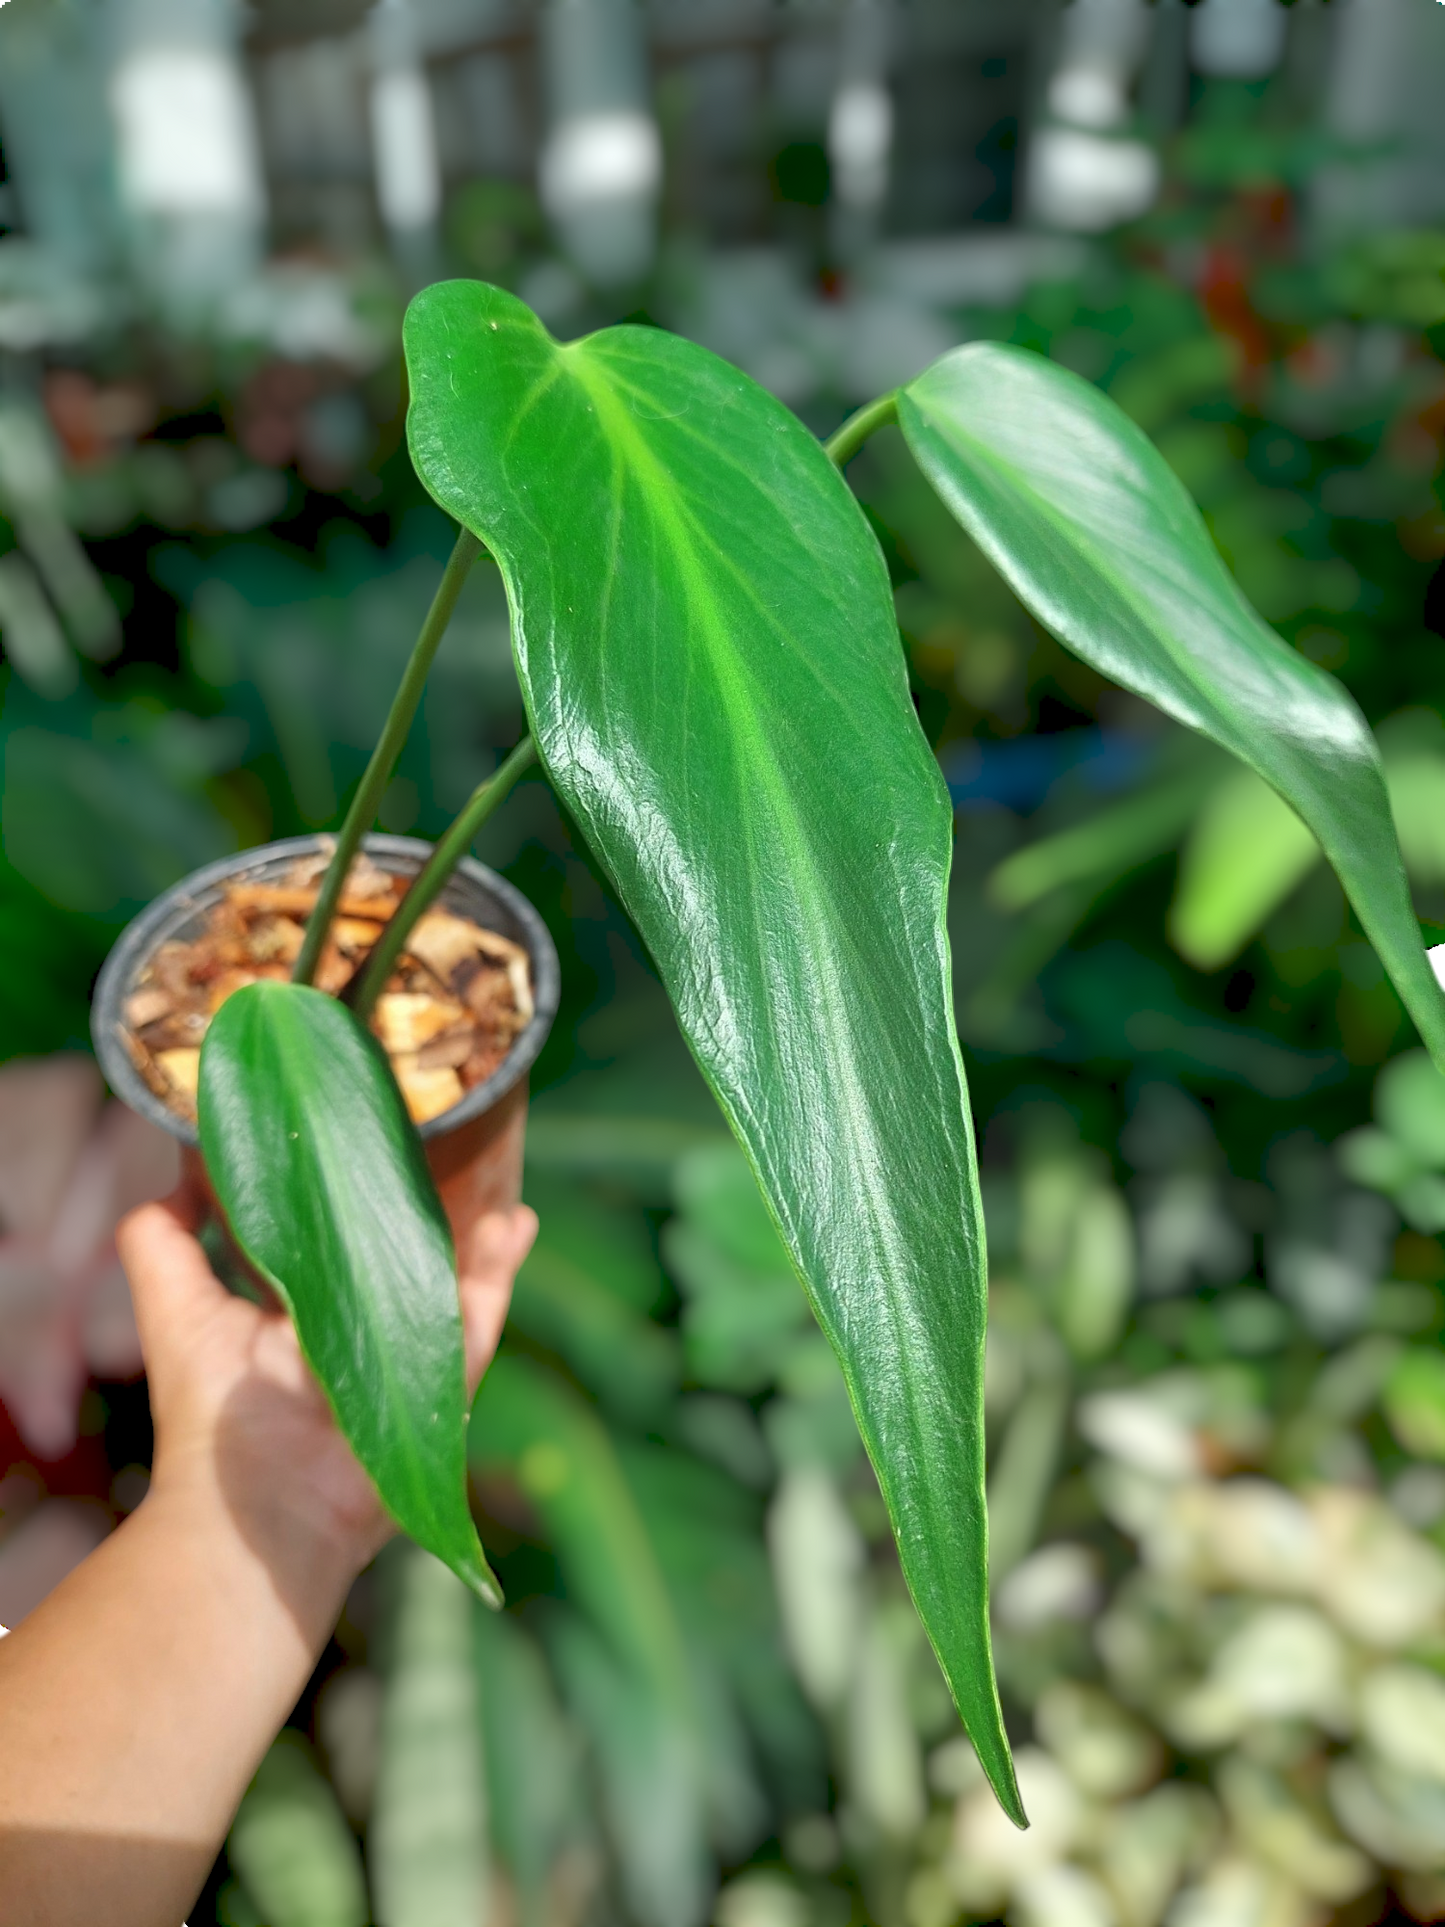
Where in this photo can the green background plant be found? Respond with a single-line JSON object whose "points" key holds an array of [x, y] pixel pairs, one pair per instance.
{"points": [[1134, 1035]]}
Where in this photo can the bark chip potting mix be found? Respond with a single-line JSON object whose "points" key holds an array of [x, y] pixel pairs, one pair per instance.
{"points": [[448, 1016]]}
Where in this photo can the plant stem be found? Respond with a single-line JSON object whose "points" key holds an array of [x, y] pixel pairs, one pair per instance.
{"points": [[446, 854], [367, 800], [844, 445]]}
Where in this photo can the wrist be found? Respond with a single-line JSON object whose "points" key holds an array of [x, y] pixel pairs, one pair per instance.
{"points": [[252, 1545]]}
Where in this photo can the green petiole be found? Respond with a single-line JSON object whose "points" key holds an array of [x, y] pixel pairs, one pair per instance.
{"points": [[448, 852], [367, 800], [844, 444]]}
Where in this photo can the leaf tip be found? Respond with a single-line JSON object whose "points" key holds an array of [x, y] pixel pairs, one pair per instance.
{"points": [[480, 1579], [998, 1765], [1013, 1806]]}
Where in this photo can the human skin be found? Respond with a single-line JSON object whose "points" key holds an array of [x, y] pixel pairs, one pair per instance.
{"points": [[138, 1700]]}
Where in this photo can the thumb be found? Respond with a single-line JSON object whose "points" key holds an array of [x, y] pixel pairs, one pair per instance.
{"points": [[170, 1277], [497, 1246]]}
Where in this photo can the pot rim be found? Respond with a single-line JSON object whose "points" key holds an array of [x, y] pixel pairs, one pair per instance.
{"points": [[198, 891]]}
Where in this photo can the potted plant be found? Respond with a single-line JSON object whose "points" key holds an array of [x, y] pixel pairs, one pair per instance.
{"points": [[704, 634]]}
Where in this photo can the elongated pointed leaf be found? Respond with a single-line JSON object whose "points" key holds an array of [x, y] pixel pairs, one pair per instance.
{"points": [[648, 1771], [1097, 536], [533, 1762], [427, 1843], [532, 1422], [705, 637], [291, 1844], [1246, 853], [622, 1654], [326, 1190]]}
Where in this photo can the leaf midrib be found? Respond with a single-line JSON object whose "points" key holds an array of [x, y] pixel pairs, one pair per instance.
{"points": [[1096, 559], [686, 541], [890, 1261], [319, 1134]]}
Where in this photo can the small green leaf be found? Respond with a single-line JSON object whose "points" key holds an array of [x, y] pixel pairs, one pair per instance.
{"points": [[1098, 538], [1245, 854], [706, 641], [534, 1761], [1410, 1105], [325, 1187], [292, 1847], [1414, 1403]]}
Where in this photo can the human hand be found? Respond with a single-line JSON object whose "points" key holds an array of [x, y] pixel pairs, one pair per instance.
{"points": [[240, 1423], [138, 1698]]}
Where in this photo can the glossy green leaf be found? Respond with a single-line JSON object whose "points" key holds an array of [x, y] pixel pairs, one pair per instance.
{"points": [[1097, 536], [325, 1187], [704, 632]]}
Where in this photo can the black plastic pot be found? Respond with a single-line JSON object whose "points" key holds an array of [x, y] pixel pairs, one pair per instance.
{"points": [[475, 1149]]}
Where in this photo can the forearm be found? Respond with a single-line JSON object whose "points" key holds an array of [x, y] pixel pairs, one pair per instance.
{"points": [[136, 1703]]}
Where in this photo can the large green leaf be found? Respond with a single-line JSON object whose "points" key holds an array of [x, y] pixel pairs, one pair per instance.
{"points": [[326, 1190], [1097, 536], [705, 638]]}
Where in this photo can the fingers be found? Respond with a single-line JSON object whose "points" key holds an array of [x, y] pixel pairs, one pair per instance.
{"points": [[169, 1274], [498, 1244]]}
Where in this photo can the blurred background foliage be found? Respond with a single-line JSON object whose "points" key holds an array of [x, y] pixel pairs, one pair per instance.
{"points": [[1213, 1161]]}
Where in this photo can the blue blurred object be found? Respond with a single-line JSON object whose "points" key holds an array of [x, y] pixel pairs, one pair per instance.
{"points": [[1020, 772]]}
